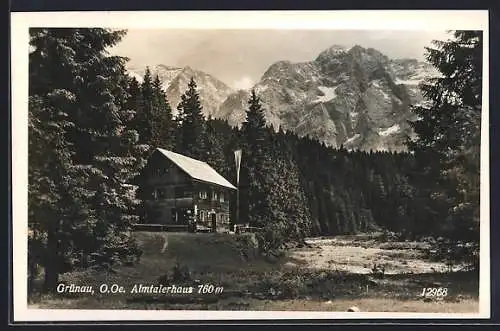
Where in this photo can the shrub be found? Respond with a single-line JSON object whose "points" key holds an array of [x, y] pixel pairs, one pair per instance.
{"points": [[378, 270], [454, 253], [181, 273], [248, 245]]}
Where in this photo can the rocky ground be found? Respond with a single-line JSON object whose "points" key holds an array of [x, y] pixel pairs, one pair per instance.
{"points": [[358, 254]]}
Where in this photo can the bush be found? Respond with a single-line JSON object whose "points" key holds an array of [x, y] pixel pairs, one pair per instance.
{"points": [[248, 245], [378, 270], [454, 253], [389, 236], [180, 273]]}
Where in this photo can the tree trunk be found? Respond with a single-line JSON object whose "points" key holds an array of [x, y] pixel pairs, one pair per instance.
{"points": [[51, 261]]}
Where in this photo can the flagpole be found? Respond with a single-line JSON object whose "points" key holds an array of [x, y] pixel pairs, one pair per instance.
{"points": [[237, 159]]}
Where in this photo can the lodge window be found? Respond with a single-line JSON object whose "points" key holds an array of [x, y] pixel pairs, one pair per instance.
{"points": [[158, 193], [214, 196], [221, 197], [203, 195]]}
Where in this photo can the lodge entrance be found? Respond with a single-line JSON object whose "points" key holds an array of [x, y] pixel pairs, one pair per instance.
{"points": [[213, 218], [180, 216]]}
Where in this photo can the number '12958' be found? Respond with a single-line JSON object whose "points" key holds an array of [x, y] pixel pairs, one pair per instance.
{"points": [[434, 291]]}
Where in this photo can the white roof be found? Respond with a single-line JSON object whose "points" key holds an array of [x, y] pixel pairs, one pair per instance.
{"points": [[196, 169]]}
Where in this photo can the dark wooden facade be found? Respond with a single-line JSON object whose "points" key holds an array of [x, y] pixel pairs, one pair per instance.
{"points": [[176, 199]]}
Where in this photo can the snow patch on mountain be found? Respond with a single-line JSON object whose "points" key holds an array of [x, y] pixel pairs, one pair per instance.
{"points": [[380, 88], [385, 95], [389, 131], [376, 84], [328, 93], [353, 138], [137, 76], [261, 88], [408, 81]]}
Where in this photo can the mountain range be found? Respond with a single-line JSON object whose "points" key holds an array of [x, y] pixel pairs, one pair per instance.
{"points": [[356, 97]]}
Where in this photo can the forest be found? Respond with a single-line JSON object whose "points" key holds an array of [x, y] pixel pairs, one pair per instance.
{"points": [[92, 127]]}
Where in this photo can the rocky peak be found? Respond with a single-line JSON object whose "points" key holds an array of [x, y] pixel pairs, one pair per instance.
{"points": [[331, 52], [277, 69], [165, 68], [378, 55], [357, 49], [367, 55], [175, 80], [357, 97]]}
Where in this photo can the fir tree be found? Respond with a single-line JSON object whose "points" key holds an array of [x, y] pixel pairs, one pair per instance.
{"points": [[51, 172], [144, 118], [213, 144], [134, 100], [162, 123], [257, 164], [192, 123], [254, 126], [49, 168], [77, 95], [448, 135]]}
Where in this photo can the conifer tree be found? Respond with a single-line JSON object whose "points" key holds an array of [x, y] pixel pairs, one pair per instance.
{"points": [[144, 118], [447, 143], [134, 100], [192, 123], [257, 165], [213, 144], [162, 123], [50, 169], [289, 215], [77, 110]]}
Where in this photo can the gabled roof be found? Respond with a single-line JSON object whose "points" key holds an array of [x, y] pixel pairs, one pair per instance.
{"points": [[196, 169]]}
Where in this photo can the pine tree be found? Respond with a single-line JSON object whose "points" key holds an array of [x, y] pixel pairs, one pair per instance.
{"points": [[213, 144], [448, 134], [144, 118], [49, 164], [257, 165], [254, 126], [51, 174], [134, 101], [78, 96], [111, 149], [272, 181], [192, 123], [285, 195], [162, 123]]}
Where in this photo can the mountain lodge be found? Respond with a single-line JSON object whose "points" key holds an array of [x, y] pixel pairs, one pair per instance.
{"points": [[184, 194]]}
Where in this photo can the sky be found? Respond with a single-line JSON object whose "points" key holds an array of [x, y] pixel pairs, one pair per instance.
{"points": [[240, 57]]}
